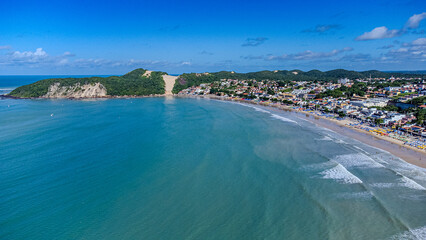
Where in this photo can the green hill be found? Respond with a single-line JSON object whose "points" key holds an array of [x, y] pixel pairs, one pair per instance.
{"points": [[134, 83], [137, 83]]}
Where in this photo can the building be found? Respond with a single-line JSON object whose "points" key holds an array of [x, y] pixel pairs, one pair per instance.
{"points": [[343, 81], [372, 102]]}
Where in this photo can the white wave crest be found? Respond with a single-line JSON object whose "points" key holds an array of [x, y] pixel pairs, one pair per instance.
{"points": [[341, 174], [409, 183], [283, 118], [355, 195], [414, 234], [383, 185], [339, 141], [317, 166], [325, 138], [402, 182], [360, 149], [357, 160], [327, 130], [260, 110]]}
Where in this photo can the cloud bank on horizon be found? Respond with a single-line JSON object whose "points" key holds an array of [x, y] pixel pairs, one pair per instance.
{"points": [[64, 38]]}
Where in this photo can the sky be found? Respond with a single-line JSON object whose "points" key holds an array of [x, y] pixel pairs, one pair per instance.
{"points": [[114, 37]]}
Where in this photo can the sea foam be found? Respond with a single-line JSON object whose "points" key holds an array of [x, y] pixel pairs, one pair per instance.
{"points": [[401, 182], [409, 183], [284, 119], [341, 174], [260, 110], [412, 234], [355, 195], [357, 160], [325, 138]]}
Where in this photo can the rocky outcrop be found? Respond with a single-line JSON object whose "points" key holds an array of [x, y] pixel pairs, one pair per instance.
{"points": [[76, 91]]}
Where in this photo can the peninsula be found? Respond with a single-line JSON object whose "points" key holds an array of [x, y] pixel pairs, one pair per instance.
{"points": [[139, 82]]}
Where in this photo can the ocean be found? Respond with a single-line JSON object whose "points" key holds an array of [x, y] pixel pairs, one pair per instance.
{"points": [[180, 168]]}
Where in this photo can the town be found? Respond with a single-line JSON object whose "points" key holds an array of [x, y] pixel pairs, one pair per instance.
{"points": [[392, 107]]}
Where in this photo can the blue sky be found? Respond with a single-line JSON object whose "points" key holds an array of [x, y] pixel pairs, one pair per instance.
{"points": [[114, 37]]}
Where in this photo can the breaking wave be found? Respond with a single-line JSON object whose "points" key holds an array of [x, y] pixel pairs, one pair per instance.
{"points": [[284, 119], [260, 110], [325, 138], [409, 183], [412, 234], [357, 160], [341, 174]]}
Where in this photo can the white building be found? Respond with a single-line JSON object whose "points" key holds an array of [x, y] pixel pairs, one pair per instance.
{"points": [[394, 118], [343, 80], [371, 102]]}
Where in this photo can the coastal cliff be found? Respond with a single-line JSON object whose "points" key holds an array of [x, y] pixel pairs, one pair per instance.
{"points": [[76, 91], [139, 82]]}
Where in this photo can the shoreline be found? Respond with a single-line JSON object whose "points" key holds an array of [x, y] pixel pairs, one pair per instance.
{"points": [[408, 154]]}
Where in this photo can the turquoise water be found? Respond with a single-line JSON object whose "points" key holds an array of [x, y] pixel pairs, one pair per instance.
{"points": [[170, 168]]}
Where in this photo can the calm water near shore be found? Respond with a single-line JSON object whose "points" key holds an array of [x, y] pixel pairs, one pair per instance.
{"points": [[175, 168]]}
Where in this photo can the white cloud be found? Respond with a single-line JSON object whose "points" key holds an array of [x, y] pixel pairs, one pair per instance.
{"points": [[416, 50], [185, 63], [39, 58], [359, 57], [5, 47], [308, 55], [68, 54], [414, 21], [383, 32], [28, 57], [254, 42], [379, 33], [419, 42], [323, 28], [38, 53]]}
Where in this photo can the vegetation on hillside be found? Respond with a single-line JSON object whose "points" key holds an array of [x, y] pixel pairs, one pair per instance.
{"points": [[358, 88], [187, 80], [132, 83], [193, 79], [418, 101]]}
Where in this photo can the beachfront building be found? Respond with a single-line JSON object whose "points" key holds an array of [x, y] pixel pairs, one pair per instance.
{"points": [[393, 118], [371, 102]]}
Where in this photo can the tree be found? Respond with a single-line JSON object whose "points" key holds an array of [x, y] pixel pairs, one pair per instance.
{"points": [[378, 121], [420, 115]]}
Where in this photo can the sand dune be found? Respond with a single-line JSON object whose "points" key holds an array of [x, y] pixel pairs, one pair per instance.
{"points": [[170, 82], [147, 73]]}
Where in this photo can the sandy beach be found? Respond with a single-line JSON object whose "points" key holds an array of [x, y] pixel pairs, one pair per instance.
{"points": [[170, 82], [409, 154], [396, 147]]}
